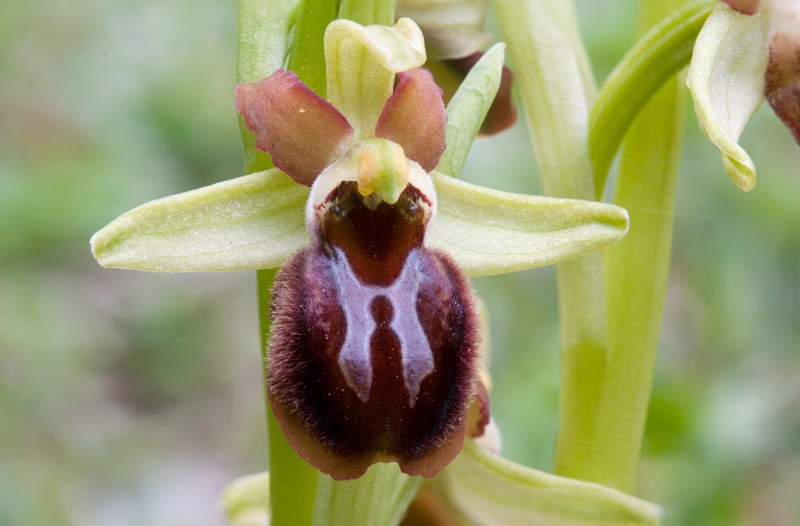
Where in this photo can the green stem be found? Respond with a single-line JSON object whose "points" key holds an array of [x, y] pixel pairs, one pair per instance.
{"points": [[262, 40], [263, 29], [552, 71], [293, 485], [655, 58], [306, 51], [367, 12], [635, 277]]}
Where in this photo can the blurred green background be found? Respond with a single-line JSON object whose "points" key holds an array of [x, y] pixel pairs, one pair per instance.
{"points": [[131, 399]]}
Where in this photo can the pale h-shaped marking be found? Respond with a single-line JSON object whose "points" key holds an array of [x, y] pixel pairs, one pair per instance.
{"points": [[356, 300]]}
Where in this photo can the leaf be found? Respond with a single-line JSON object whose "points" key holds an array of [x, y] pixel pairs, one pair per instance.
{"points": [[490, 232], [485, 489], [468, 108], [251, 222], [726, 78], [653, 60]]}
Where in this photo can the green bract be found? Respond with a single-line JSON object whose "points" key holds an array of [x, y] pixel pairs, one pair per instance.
{"points": [[482, 489], [468, 107], [655, 58]]}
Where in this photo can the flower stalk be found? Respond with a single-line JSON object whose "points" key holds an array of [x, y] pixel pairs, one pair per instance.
{"points": [[557, 89], [263, 43], [655, 58], [636, 273], [610, 310]]}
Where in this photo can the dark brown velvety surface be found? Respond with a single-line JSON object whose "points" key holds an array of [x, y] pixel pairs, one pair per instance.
{"points": [[322, 416]]}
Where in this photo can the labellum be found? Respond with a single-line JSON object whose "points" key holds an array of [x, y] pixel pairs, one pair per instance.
{"points": [[373, 354]]}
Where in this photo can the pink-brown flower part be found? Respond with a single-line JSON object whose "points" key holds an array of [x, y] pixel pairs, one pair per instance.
{"points": [[782, 86], [746, 7], [301, 131], [414, 117]]}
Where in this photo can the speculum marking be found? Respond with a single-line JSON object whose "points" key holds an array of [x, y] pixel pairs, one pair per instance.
{"points": [[356, 299]]}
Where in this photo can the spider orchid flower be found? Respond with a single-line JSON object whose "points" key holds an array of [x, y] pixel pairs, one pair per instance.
{"points": [[747, 51], [375, 343]]}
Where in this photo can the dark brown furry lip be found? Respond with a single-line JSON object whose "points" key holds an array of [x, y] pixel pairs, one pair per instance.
{"points": [[392, 383]]}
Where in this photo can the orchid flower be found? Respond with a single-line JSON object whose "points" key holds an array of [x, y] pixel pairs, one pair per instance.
{"points": [[373, 253], [747, 51], [374, 355]]}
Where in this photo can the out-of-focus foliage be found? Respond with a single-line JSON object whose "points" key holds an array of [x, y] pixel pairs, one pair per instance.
{"points": [[125, 398], [130, 398]]}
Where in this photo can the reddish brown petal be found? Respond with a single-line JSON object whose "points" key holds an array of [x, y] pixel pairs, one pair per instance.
{"points": [[782, 86], [502, 113], [746, 7], [301, 131], [414, 118]]}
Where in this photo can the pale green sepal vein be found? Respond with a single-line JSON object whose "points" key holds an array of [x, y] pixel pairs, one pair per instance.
{"points": [[490, 232], [726, 78], [250, 222], [380, 496], [655, 57], [487, 490], [245, 501], [468, 107]]}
